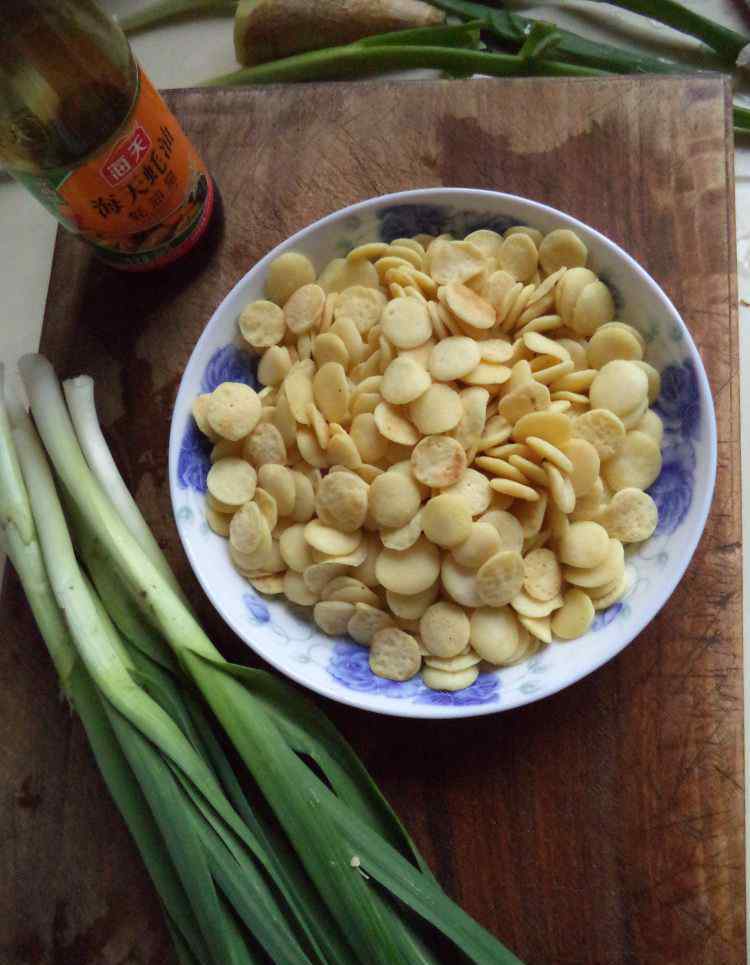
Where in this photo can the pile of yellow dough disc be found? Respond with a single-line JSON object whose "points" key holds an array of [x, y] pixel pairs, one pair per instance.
{"points": [[449, 452]]}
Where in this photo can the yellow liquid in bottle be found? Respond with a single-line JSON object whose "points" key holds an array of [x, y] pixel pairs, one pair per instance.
{"points": [[84, 130]]}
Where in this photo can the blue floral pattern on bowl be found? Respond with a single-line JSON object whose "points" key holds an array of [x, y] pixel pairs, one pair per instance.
{"points": [[195, 460], [605, 617], [406, 220], [349, 665], [285, 635], [679, 407], [257, 608], [679, 403], [230, 364]]}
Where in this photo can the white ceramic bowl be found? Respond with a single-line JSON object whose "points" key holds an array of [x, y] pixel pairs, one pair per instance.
{"points": [[338, 668]]}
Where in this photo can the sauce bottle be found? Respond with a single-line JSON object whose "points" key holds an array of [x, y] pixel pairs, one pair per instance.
{"points": [[83, 128]]}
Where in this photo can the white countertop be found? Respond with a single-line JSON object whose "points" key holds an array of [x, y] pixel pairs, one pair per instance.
{"points": [[184, 54]]}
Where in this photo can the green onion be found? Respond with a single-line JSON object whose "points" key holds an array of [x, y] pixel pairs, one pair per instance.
{"points": [[79, 394], [357, 60], [310, 912], [741, 118], [169, 10], [575, 55], [444, 35], [510, 27], [542, 38], [159, 753], [350, 887], [20, 543], [26, 557], [723, 41], [511, 30], [440, 46], [398, 51]]}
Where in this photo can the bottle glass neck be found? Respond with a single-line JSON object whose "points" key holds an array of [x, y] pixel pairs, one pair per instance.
{"points": [[67, 82]]}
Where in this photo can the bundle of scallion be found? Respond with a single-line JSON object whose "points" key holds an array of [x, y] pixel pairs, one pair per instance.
{"points": [[257, 856], [497, 44]]}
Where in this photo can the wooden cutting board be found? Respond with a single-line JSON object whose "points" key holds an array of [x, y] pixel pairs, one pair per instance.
{"points": [[602, 825]]}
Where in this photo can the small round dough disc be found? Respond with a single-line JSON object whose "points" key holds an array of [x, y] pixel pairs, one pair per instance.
{"points": [[332, 542], [508, 528], [437, 410], [603, 429], [262, 324], [460, 583], [232, 481], [394, 654], [333, 616], [444, 629], [585, 544], [475, 488], [341, 501], [406, 322], [404, 381], [482, 542], [447, 520], [500, 578], [562, 248], [631, 516], [574, 617], [437, 679], [409, 571], [494, 634], [394, 499], [543, 577], [454, 357], [636, 465], [611, 569], [233, 410], [286, 274], [620, 386], [438, 461], [365, 623]]}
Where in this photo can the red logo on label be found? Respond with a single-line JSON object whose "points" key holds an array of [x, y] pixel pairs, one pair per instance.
{"points": [[126, 156]]}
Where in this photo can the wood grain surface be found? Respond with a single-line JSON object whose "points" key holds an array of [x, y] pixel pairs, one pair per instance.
{"points": [[602, 826]]}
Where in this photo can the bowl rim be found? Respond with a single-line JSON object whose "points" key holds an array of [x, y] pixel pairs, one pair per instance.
{"points": [[359, 699]]}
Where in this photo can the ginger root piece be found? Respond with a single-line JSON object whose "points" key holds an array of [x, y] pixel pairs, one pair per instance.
{"points": [[270, 29]]}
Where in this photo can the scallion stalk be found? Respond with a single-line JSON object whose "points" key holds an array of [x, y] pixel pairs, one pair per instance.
{"points": [[25, 555], [726, 43], [22, 547], [741, 119], [157, 673], [169, 10], [575, 55], [359, 59], [465, 34], [327, 829], [187, 711], [511, 30], [79, 394], [158, 751], [355, 60], [363, 919]]}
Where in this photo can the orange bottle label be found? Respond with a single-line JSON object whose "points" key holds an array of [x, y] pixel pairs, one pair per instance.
{"points": [[144, 199]]}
